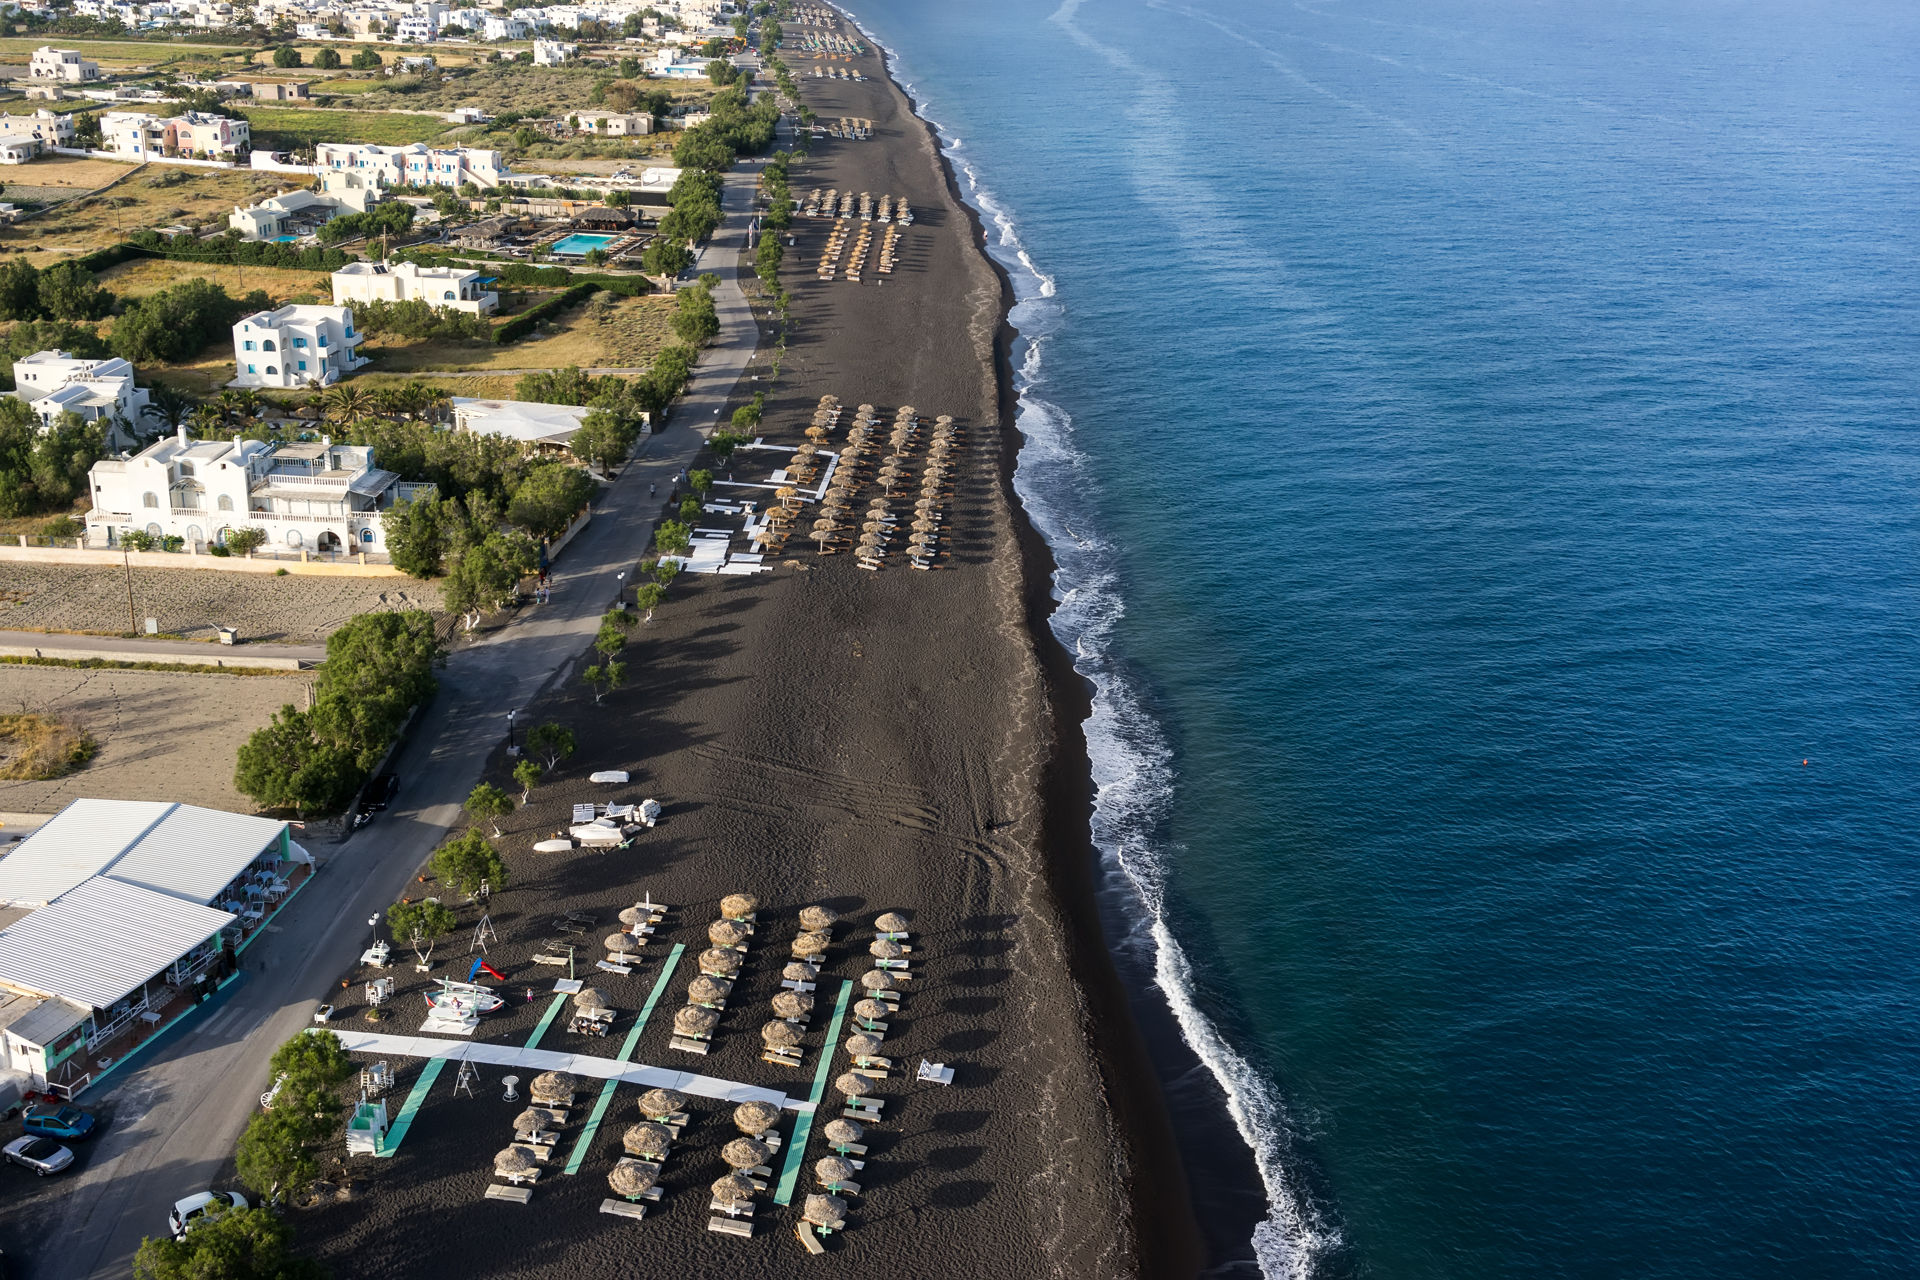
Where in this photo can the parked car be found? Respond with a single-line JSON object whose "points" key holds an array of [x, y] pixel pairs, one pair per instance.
{"points": [[42, 1155], [68, 1123], [380, 792], [196, 1209]]}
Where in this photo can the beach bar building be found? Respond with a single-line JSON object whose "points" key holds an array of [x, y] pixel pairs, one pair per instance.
{"points": [[118, 916]]}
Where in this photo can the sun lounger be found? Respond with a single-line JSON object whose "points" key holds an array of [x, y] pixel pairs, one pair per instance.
{"points": [[934, 1073], [871, 1073], [850, 1150], [782, 1057], [876, 1028], [729, 1226], [807, 1238], [519, 1195], [583, 813], [624, 970], [866, 1104], [540, 1148], [605, 775], [687, 1044], [568, 986], [843, 1188], [623, 1209]]}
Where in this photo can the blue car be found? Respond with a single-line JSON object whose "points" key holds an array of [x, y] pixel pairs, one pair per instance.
{"points": [[69, 1123]]}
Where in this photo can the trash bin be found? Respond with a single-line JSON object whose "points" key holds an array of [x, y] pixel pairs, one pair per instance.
{"points": [[229, 635]]}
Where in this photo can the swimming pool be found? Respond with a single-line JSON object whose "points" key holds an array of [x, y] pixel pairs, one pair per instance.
{"points": [[581, 243]]}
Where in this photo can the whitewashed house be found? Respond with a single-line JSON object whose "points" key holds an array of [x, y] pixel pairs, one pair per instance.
{"points": [[552, 53], [414, 166], [53, 383], [295, 346], [314, 497], [61, 66], [454, 288], [51, 128]]}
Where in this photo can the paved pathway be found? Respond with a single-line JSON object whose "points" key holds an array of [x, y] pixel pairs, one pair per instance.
{"points": [[181, 1109], [39, 644]]}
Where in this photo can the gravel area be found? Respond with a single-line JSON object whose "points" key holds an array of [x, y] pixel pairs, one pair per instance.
{"points": [[292, 610], [163, 735]]}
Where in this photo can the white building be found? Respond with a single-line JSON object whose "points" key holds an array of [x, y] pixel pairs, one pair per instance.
{"points": [[504, 28], [413, 30], [612, 124], [548, 427], [61, 66], [52, 128], [551, 53], [299, 213], [316, 497], [181, 889], [454, 288], [295, 346], [137, 135], [53, 383], [414, 166]]}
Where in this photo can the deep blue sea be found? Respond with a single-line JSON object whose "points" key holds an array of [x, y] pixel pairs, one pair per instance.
{"points": [[1479, 440]]}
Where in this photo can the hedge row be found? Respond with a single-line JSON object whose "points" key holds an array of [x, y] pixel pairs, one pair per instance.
{"points": [[523, 323]]}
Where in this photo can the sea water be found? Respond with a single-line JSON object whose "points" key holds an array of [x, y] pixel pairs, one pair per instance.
{"points": [[1478, 440]]}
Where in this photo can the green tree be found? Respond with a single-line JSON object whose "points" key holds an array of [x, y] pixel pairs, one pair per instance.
{"points": [[379, 667], [19, 290], [286, 56], [695, 319], [468, 862], [527, 774], [286, 766], [486, 573], [68, 291], [723, 443], [700, 482], [647, 597], [247, 540], [603, 441], [672, 537], [326, 59], [418, 532], [721, 72], [426, 920], [316, 1059], [666, 257], [240, 1244], [367, 60], [551, 742], [488, 803], [275, 1153], [550, 496]]}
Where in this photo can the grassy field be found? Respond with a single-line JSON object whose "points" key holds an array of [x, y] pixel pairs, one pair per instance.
{"points": [[283, 128], [118, 54], [151, 197], [444, 56], [605, 332], [36, 748], [140, 278]]}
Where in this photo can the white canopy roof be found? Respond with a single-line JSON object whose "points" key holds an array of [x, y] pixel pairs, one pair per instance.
{"points": [[75, 844], [178, 849], [102, 940]]}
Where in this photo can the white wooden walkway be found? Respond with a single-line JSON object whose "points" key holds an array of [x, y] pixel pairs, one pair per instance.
{"points": [[507, 1055]]}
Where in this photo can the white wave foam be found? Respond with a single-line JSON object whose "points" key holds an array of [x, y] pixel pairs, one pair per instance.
{"points": [[1131, 762]]}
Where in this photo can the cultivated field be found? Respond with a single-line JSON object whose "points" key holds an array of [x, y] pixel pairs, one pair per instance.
{"points": [[162, 735], [192, 603], [118, 54], [284, 128], [605, 332]]}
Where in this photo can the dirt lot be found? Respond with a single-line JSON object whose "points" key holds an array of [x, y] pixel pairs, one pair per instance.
{"points": [[153, 197], [163, 735], [150, 275], [605, 332], [191, 603]]}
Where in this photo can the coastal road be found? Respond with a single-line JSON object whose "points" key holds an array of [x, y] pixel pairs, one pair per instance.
{"points": [[180, 1107]]}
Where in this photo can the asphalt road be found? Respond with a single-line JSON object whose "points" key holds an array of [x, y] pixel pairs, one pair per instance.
{"points": [[179, 1108]]}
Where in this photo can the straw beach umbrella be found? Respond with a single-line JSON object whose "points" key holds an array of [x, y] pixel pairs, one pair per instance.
{"points": [[738, 906], [725, 933], [853, 1086], [734, 1188], [590, 998], [551, 1086], [724, 961], [755, 1118], [780, 1035], [832, 1169], [635, 916], [792, 1004], [877, 980], [695, 1021], [513, 1160], [623, 943], [647, 1139], [745, 1153], [531, 1121], [843, 1133], [657, 1104], [890, 922], [824, 1211], [872, 1010], [797, 971], [817, 919], [862, 1046], [705, 990], [810, 944], [629, 1181]]}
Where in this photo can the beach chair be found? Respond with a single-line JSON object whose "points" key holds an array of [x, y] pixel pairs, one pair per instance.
{"points": [[807, 1238], [689, 1044], [783, 1056], [729, 1226], [518, 1195], [934, 1073], [623, 1208]]}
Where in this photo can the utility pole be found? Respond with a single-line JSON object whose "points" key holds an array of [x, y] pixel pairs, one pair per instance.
{"points": [[133, 628]]}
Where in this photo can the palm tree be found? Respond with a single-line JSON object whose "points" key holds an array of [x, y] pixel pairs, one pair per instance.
{"points": [[345, 404], [383, 402], [437, 401], [170, 406], [229, 402], [206, 422]]}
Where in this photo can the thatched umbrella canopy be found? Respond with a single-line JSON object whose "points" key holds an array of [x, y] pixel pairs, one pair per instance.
{"points": [[854, 1086], [735, 1188], [656, 1103], [865, 408], [871, 1010], [796, 971], [738, 906], [647, 1139], [622, 942], [886, 949], [877, 980], [725, 933], [512, 1160], [745, 1153], [705, 990], [908, 411], [590, 998], [552, 1084], [842, 1132], [873, 542], [832, 1169], [780, 1035], [863, 1046], [756, 1118], [630, 1181], [923, 540], [724, 961], [792, 1004], [810, 944], [824, 1211], [926, 504], [890, 922], [695, 1021], [945, 417], [818, 431], [532, 1120], [817, 919]]}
